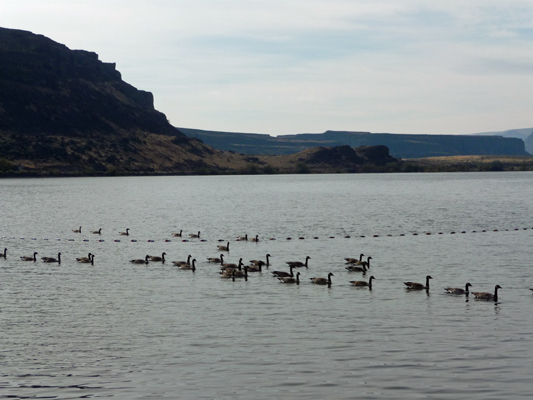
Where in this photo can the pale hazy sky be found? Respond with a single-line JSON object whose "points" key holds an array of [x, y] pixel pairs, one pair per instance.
{"points": [[278, 67]]}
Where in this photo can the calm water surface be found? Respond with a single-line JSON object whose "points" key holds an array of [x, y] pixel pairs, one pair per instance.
{"points": [[132, 331]]}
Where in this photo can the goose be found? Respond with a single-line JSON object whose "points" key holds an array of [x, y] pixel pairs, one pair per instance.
{"points": [[361, 262], [363, 283], [354, 268], [175, 234], [455, 290], [178, 263], [157, 258], [260, 262], [298, 264], [240, 274], [486, 295], [283, 274], [215, 259], [84, 259], [418, 286], [192, 235], [98, 232], [223, 248], [289, 279], [52, 259], [127, 233], [140, 260], [191, 266], [4, 254], [322, 281], [255, 268], [354, 260], [77, 230], [255, 239], [226, 266], [29, 258], [245, 237]]}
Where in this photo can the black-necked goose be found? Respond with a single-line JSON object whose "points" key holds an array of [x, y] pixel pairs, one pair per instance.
{"points": [[486, 295], [178, 263], [98, 232], [223, 248], [245, 237], [52, 259], [191, 266], [215, 259], [29, 258], [350, 260], [127, 233], [455, 290], [289, 279], [298, 264], [418, 286], [322, 281], [255, 239], [84, 259], [283, 274], [193, 235], [261, 262], [77, 230], [140, 260], [175, 234], [363, 283], [353, 268], [157, 258]]}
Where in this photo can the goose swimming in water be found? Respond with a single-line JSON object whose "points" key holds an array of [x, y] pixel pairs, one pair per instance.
{"points": [[4, 254], [354, 260], [98, 232], [140, 260], [223, 248], [215, 259], [157, 258], [322, 281], [84, 259], [177, 234], [255, 239], [353, 268], [29, 258], [127, 233], [455, 290], [486, 295], [363, 283], [260, 262], [226, 266], [255, 268], [289, 279], [178, 263], [418, 286], [191, 266], [77, 230], [245, 237], [192, 235], [52, 259], [298, 264], [283, 274]]}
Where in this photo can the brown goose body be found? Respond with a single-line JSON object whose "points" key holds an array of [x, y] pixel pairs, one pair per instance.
{"points": [[255, 239], [127, 233], [363, 283], [454, 290], [191, 266], [157, 258], [29, 258], [418, 286], [299, 264], [52, 259], [4, 254], [223, 248], [322, 281], [215, 259], [195, 235], [98, 232], [84, 259], [283, 274], [487, 295], [226, 266], [77, 230], [354, 260], [289, 279], [261, 262], [178, 263], [175, 234], [354, 268], [141, 260]]}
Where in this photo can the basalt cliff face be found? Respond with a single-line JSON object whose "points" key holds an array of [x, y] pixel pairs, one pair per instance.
{"points": [[64, 112]]}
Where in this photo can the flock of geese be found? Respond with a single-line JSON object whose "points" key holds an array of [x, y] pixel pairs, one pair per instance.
{"points": [[238, 270]]}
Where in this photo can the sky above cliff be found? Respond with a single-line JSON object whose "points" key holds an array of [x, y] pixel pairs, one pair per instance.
{"points": [[278, 67]]}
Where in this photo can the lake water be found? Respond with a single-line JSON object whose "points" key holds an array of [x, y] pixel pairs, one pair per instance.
{"points": [[131, 331]]}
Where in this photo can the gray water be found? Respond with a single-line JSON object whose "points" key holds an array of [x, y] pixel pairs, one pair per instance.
{"points": [[132, 331]]}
